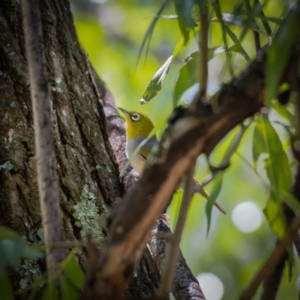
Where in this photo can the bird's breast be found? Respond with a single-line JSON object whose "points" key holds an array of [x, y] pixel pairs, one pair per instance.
{"points": [[137, 162]]}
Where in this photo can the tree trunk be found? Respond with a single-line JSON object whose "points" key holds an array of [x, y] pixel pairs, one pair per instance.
{"points": [[87, 170]]}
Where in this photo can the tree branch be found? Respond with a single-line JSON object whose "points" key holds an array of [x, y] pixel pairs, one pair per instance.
{"points": [[183, 141], [226, 161], [273, 259], [44, 152], [173, 250], [203, 47], [185, 285], [118, 140]]}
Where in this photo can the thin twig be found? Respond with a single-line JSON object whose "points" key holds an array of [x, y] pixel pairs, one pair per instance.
{"points": [[203, 46], [70, 244], [203, 59], [173, 250], [226, 160], [273, 259], [44, 149]]}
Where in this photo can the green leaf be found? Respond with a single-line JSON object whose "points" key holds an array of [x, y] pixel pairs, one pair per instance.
{"points": [[32, 253], [213, 197], [134, 153], [266, 140], [74, 273], [291, 261], [6, 233], [10, 252], [250, 21], [155, 84], [189, 74], [203, 6], [5, 287], [282, 111], [50, 292], [270, 19], [236, 21], [278, 56], [185, 19], [185, 12], [275, 217], [276, 164], [13, 248], [69, 292], [237, 45], [216, 8], [150, 30], [291, 201]]}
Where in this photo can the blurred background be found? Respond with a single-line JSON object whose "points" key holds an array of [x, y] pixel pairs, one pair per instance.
{"points": [[226, 259]]}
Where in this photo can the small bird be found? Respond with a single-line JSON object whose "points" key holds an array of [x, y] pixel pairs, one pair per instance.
{"points": [[138, 126]]}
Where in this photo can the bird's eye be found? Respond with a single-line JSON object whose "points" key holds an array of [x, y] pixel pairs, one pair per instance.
{"points": [[135, 117]]}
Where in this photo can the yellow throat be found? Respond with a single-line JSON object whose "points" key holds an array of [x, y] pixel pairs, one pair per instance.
{"points": [[137, 124]]}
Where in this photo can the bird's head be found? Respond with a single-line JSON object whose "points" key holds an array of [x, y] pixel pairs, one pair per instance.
{"points": [[137, 124]]}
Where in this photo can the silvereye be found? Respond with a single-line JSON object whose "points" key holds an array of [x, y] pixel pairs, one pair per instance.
{"points": [[138, 126]]}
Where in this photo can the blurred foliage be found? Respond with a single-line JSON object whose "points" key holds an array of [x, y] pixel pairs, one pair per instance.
{"points": [[112, 33], [19, 255], [149, 50]]}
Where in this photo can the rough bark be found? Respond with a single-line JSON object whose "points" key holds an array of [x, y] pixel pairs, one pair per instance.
{"points": [[85, 140], [85, 164], [184, 282], [83, 151], [44, 151]]}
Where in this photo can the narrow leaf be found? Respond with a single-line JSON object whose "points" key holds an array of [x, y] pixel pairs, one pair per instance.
{"points": [[239, 21], [134, 153], [217, 10], [278, 56], [69, 292], [203, 6], [184, 9], [212, 198], [74, 273], [50, 292], [275, 217], [185, 19], [155, 84], [150, 30], [291, 201], [282, 111], [189, 74], [291, 261], [237, 45], [6, 233], [11, 252], [5, 287], [266, 140], [32, 253], [276, 165]]}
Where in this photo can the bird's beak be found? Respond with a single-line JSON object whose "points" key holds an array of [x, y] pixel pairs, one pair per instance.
{"points": [[125, 112]]}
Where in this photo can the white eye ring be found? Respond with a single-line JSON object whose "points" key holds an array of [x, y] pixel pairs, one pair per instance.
{"points": [[135, 117]]}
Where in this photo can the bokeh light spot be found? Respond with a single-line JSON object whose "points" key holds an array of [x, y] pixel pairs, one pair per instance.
{"points": [[211, 286], [247, 216]]}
